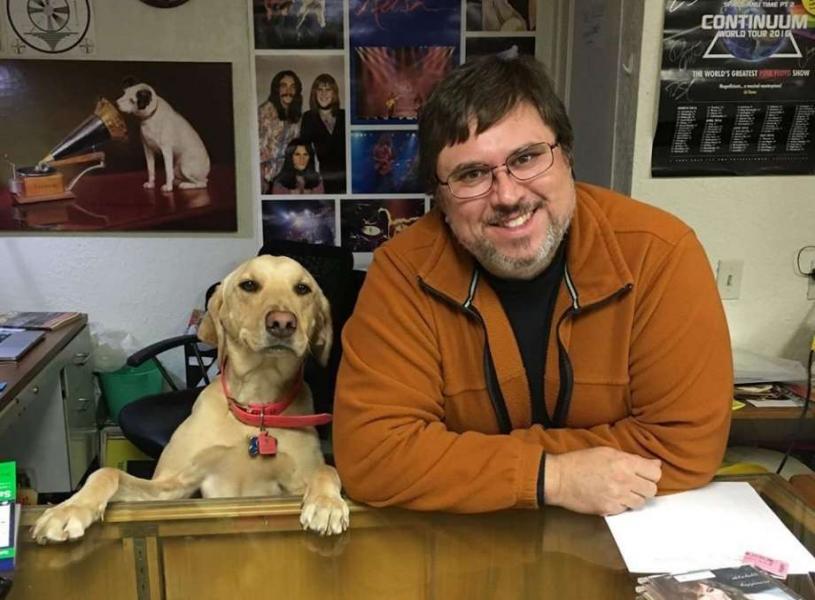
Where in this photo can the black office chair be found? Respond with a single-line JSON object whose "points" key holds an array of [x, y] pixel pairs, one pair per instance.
{"points": [[149, 422]]}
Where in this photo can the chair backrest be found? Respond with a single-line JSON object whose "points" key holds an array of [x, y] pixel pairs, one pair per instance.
{"points": [[333, 268]]}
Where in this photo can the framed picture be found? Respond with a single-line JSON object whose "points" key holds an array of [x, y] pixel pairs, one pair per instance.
{"points": [[384, 162], [311, 221], [127, 146], [301, 121], [297, 24]]}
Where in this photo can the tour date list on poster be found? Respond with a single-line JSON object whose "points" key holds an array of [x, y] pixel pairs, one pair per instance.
{"points": [[737, 89]]}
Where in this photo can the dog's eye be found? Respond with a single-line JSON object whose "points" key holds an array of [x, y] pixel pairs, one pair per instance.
{"points": [[301, 289], [249, 285]]}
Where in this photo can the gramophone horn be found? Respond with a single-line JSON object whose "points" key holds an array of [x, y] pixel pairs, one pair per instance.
{"points": [[103, 125]]}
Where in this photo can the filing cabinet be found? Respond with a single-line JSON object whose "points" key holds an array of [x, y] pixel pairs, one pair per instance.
{"points": [[49, 426]]}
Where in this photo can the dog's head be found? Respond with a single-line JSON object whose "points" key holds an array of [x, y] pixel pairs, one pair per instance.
{"points": [[138, 99], [269, 305]]}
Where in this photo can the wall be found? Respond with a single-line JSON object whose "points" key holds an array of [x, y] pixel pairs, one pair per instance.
{"points": [[146, 283], [760, 220]]}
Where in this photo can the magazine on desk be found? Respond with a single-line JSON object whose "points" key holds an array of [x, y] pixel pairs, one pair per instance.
{"points": [[38, 320], [736, 583], [768, 395], [16, 343]]}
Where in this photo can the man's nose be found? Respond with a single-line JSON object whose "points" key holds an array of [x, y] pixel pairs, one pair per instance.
{"points": [[281, 323], [506, 189]]}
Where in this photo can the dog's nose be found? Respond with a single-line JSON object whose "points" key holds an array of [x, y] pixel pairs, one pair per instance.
{"points": [[281, 323]]}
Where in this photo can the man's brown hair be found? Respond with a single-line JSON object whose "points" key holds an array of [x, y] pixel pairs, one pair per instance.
{"points": [[486, 89]]}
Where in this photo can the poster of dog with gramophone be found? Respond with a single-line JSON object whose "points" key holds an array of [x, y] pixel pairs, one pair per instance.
{"points": [[117, 146]]}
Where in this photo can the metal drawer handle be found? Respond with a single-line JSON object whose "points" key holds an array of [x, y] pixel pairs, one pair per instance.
{"points": [[80, 358], [82, 404]]}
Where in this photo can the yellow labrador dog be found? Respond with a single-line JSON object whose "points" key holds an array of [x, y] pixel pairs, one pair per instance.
{"points": [[265, 317]]}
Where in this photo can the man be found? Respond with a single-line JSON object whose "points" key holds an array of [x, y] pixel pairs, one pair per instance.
{"points": [[383, 159], [324, 126], [530, 341], [278, 124]]}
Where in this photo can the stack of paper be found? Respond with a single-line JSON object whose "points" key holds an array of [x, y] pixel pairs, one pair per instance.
{"points": [[709, 528]]}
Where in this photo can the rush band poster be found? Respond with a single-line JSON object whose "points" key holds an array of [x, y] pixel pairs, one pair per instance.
{"points": [[737, 89]]}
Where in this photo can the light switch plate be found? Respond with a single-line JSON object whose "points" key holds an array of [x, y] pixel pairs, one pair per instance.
{"points": [[728, 278]]}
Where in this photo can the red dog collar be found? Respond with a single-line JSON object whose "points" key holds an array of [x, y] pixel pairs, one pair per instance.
{"points": [[267, 414]]}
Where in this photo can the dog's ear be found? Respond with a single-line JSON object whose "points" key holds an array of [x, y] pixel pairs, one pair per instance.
{"points": [[322, 333], [211, 329], [128, 82], [143, 98]]}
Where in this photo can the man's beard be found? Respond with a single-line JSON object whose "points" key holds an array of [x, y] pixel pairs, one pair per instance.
{"points": [[507, 267]]}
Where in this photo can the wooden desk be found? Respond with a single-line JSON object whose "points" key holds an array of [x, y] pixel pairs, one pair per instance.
{"points": [[48, 410], [251, 548], [753, 425], [118, 201]]}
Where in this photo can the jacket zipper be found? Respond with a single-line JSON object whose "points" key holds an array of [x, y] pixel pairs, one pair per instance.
{"points": [[564, 396], [499, 405]]}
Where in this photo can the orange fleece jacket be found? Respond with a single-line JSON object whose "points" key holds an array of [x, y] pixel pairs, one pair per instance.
{"points": [[638, 316]]}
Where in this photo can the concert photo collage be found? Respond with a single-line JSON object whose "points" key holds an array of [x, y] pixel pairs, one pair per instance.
{"points": [[339, 84]]}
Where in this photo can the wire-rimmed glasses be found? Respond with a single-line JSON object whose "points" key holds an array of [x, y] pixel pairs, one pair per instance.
{"points": [[474, 180]]}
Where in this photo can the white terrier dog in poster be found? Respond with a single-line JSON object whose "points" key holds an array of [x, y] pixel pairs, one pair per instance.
{"points": [[164, 131]]}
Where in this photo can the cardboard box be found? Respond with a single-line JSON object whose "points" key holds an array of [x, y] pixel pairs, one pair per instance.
{"points": [[116, 450]]}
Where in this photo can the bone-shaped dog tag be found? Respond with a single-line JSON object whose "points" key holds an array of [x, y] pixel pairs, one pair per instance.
{"points": [[267, 445]]}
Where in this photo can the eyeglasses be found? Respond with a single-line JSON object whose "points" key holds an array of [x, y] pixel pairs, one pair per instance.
{"points": [[473, 181]]}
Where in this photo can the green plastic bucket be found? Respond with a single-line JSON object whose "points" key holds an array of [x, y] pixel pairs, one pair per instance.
{"points": [[123, 386]]}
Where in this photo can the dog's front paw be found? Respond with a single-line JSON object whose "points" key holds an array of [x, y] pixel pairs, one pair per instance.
{"points": [[327, 515], [167, 187], [64, 522], [149, 185]]}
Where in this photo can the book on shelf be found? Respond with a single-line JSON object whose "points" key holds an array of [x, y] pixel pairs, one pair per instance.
{"points": [[743, 583], [38, 320]]}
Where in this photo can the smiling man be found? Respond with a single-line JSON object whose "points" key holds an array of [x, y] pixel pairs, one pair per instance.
{"points": [[531, 340]]}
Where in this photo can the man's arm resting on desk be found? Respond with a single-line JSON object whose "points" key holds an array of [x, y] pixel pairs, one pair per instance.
{"points": [[405, 456], [681, 377], [393, 447]]}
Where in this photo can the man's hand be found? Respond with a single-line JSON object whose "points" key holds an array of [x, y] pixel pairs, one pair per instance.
{"points": [[601, 481]]}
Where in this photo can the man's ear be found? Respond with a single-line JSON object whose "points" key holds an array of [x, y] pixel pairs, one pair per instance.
{"points": [[211, 330], [322, 333]]}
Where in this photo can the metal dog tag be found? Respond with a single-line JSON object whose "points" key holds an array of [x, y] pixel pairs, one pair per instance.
{"points": [[267, 445]]}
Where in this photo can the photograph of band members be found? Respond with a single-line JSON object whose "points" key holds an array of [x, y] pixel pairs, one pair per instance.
{"points": [[311, 221], [390, 84], [508, 47], [366, 224], [297, 24], [384, 162], [280, 115], [298, 174], [324, 127], [501, 15]]}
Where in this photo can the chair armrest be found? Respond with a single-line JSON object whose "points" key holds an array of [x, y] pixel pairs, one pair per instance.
{"points": [[153, 350]]}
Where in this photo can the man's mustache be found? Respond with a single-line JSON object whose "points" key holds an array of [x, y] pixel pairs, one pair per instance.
{"points": [[499, 213]]}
